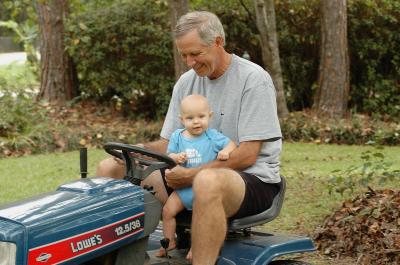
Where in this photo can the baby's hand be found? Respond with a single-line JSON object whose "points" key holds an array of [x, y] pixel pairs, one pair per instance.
{"points": [[223, 155], [179, 158]]}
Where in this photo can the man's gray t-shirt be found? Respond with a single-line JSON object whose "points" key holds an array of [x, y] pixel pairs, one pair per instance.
{"points": [[243, 100]]}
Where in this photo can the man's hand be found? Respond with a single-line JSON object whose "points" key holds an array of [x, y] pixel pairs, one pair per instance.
{"points": [[180, 177]]}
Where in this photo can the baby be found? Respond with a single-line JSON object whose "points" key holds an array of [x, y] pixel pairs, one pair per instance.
{"points": [[191, 146]]}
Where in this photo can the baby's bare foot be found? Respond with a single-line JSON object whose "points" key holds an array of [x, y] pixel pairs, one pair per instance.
{"points": [[189, 255], [162, 252]]}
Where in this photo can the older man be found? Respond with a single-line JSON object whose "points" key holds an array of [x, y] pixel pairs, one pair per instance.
{"points": [[242, 96]]}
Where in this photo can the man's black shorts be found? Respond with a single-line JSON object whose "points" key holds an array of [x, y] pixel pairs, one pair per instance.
{"points": [[258, 196]]}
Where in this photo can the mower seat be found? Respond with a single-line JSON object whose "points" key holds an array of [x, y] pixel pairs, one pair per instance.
{"points": [[263, 217], [184, 218]]}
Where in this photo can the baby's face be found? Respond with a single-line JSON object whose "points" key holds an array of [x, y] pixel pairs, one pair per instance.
{"points": [[196, 118]]}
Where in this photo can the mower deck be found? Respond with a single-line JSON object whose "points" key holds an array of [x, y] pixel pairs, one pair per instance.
{"points": [[256, 248]]}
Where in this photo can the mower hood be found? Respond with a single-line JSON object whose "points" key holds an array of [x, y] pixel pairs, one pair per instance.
{"points": [[75, 222]]}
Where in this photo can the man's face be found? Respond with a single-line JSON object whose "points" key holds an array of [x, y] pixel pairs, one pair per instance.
{"points": [[197, 55]]}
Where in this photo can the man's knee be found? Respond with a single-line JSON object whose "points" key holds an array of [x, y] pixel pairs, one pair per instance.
{"points": [[219, 185], [207, 183], [110, 168], [206, 179]]}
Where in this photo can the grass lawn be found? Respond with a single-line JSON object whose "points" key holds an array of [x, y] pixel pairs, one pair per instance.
{"points": [[305, 166], [31, 175]]}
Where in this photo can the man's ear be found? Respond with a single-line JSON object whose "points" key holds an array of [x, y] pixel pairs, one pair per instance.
{"points": [[219, 41]]}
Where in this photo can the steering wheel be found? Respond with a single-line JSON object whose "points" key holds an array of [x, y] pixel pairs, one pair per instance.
{"points": [[137, 160]]}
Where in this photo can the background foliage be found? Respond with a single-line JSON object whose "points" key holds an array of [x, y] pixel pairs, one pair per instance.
{"points": [[117, 48], [374, 45], [359, 130], [373, 49], [123, 53], [23, 122], [21, 11]]}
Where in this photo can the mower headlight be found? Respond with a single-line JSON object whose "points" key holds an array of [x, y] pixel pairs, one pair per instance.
{"points": [[8, 253]]}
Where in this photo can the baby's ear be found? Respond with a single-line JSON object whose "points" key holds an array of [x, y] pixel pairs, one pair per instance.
{"points": [[211, 114], [181, 118]]}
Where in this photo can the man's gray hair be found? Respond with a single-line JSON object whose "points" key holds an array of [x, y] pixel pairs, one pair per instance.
{"points": [[207, 24]]}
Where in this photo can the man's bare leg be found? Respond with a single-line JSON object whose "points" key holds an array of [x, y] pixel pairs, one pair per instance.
{"points": [[111, 167], [218, 194]]}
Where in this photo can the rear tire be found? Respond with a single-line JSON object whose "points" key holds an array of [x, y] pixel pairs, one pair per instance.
{"points": [[288, 262]]}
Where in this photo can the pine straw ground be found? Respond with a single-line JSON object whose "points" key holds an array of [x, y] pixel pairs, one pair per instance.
{"points": [[366, 228]]}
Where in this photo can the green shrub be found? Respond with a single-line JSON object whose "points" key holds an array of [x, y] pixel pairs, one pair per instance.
{"points": [[374, 45], [23, 123], [18, 78], [373, 171], [125, 52], [18, 87]]}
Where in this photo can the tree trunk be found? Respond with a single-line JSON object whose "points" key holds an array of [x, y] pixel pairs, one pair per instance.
{"points": [[57, 71], [334, 82], [265, 17], [177, 9]]}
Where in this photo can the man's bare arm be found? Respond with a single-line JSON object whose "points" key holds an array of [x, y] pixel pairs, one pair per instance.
{"points": [[242, 157], [157, 146]]}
